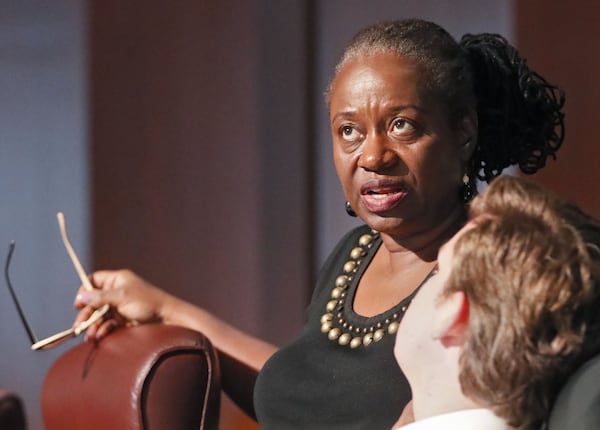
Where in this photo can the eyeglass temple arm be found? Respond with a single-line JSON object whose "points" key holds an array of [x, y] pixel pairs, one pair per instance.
{"points": [[32, 337]]}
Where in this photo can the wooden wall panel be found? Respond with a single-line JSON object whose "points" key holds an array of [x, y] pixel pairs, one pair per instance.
{"points": [[200, 155]]}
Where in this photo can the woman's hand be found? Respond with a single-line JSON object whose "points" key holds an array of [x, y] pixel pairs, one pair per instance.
{"points": [[132, 299]]}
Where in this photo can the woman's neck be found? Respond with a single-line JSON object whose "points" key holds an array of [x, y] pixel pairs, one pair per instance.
{"points": [[423, 245]]}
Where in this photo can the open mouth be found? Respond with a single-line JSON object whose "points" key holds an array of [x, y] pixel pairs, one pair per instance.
{"points": [[381, 197]]}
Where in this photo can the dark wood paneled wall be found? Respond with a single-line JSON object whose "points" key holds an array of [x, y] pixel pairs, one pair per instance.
{"points": [[200, 154], [561, 40]]}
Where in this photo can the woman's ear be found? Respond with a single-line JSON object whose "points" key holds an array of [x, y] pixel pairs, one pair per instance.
{"points": [[468, 132], [451, 319]]}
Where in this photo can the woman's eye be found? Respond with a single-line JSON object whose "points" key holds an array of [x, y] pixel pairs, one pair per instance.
{"points": [[349, 133], [402, 127]]}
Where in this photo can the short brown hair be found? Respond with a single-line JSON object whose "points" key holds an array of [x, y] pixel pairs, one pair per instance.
{"points": [[530, 272]]}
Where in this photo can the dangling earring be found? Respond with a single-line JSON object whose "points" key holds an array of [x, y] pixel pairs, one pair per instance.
{"points": [[468, 188], [349, 209]]}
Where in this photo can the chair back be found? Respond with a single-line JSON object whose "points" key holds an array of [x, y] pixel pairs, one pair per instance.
{"points": [[577, 406]]}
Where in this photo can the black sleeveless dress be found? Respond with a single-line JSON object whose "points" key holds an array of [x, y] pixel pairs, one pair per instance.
{"points": [[315, 383]]}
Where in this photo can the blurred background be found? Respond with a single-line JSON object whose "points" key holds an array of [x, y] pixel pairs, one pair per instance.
{"points": [[189, 141]]}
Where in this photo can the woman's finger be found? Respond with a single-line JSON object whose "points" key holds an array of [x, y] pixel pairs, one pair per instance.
{"points": [[105, 328]]}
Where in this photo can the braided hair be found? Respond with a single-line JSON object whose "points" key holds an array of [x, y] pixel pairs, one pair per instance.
{"points": [[520, 114], [520, 117]]}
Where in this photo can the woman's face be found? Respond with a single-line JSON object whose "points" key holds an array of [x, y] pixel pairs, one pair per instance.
{"points": [[397, 156]]}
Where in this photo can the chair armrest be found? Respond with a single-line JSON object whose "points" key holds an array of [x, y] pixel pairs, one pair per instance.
{"points": [[144, 377]]}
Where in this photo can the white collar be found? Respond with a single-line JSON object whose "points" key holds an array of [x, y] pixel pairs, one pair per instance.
{"points": [[468, 419]]}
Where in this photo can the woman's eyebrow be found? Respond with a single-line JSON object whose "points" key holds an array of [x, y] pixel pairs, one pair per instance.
{"points": [[343, 114]]}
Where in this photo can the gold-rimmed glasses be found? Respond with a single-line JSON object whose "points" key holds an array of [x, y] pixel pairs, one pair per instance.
{"points": [[57, 338]]}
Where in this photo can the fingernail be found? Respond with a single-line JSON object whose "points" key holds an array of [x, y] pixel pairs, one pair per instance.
{"points": [[84, 297]]}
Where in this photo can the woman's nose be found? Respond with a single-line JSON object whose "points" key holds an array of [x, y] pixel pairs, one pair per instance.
{"points": [[376, 154]]}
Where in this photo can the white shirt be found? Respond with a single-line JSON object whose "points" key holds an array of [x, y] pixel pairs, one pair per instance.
{"points": [[468, 419]]}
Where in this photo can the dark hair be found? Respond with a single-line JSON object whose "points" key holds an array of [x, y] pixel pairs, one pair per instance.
{"points": [[530, 269], [520, 116]]}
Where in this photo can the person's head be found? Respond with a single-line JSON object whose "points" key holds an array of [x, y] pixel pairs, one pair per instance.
{"points": [[413, 114], [518, 296]]}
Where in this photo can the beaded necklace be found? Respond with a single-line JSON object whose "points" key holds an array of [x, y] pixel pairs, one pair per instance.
{"points": [[333, 321]]}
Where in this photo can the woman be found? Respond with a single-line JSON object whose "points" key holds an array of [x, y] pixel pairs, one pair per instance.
{"points": [[416, 118]]}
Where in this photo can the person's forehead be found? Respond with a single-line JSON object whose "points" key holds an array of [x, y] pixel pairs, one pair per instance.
{"points": [[384, 66]]}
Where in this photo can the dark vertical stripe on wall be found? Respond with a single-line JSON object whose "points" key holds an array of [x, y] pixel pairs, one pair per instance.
{"points": [[312, 26], [284, 132]]}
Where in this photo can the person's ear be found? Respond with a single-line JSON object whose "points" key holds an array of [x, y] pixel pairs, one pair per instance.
{"points": [[451, 319], [467, 135]]}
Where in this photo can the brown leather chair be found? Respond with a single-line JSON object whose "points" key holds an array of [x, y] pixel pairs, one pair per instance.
{"points": [[150, 377], [12, 416]]}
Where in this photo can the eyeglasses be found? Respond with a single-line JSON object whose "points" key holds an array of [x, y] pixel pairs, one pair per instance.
{"points": [[60, 337]]}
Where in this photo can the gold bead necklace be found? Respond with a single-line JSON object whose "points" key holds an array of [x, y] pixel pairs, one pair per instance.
{"points": [[333, 322]]}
